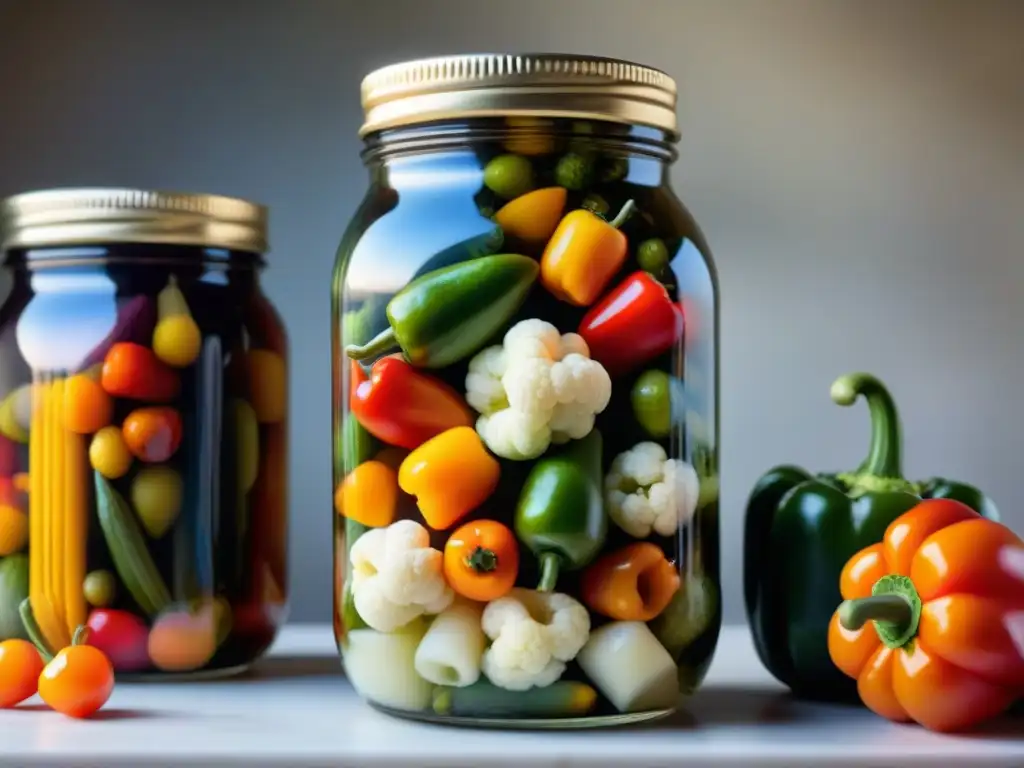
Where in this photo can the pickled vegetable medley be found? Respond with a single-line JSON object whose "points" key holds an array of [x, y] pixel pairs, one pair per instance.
{"points": [[518, 528], [151, 508]]}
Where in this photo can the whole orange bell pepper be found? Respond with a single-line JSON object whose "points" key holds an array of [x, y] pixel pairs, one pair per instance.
{"points": [[583, 254], [635, 583], [933, 617], [450, 475]]}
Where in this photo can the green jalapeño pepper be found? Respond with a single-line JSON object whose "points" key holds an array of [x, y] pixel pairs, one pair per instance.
{"points": [[801, 529], [450, 313], [560, 515]]}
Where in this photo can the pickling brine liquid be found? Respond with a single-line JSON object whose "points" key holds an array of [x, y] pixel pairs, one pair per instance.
{"points": [[525, 456], [142, 457]]}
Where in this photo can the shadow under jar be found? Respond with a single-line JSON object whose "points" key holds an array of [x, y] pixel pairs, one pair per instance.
{"points": [[525, 400], [152, 426]]}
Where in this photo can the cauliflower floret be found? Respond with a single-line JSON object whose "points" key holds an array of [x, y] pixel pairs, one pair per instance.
{"points": [[646, 491], [514, 434], [484, 392], [533, 635], [538, 387], [397, 576]]}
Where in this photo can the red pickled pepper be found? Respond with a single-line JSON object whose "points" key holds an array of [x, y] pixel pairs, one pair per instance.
{"points": [[134, 372], [633, 324], [402, 406]]}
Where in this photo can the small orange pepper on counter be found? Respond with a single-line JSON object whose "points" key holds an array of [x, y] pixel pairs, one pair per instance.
{"points": [[369, 494], [481, 560], [635, 583], [930, 616], [450, 475], [583, 254]]}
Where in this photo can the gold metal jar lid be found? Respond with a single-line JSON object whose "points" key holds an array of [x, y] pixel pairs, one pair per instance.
{"points": [[528, 85], [63, 217]]}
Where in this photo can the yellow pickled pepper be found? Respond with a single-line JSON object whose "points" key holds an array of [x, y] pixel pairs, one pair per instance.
{"points": [[583, 254], [176, 338]]}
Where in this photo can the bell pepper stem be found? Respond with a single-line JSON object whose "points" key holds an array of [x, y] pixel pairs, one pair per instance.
{"points": [[884, 454], [549, 567], [81, 635], [384, 341], [623, 216], [482, 560], [894, 607]]}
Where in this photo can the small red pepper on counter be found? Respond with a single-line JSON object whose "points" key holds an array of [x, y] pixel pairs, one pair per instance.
{"points": [[932, 618], [635, 583], [583, 255], [632, 325], [401, 406]]}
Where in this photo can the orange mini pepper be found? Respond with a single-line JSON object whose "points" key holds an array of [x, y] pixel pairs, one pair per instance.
{"points": [[450, 475], [635, 583], [532, 217], [481, 560], [368, 494], [932, 618], [583, 254]]}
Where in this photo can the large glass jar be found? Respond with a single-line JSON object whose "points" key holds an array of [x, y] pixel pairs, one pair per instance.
{"points": [[525, 399], [144, 374]]}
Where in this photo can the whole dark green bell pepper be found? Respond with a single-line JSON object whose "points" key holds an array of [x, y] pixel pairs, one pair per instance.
{"points": [[560, 515], [450, 313], [801, 529]]}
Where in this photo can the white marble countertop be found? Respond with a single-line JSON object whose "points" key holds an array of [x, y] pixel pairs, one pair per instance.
{"points": [[297, 709]]}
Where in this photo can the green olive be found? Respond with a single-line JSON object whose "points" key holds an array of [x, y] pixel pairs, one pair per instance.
{"points": [[597, 204], [574, 171], [98, 588], [652, 255], [657, 399], [615, 169], [509, 176], [688, 615], [247, 445], [156, 497]]}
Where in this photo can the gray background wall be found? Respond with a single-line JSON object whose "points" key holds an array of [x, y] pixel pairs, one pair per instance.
{"points": [[857, 166]]}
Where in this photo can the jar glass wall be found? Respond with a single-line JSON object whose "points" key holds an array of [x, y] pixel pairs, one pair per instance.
{"points": [[525, 420], [152, 431]]}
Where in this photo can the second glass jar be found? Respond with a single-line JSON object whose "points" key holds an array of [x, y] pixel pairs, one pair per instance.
{"points": [[525, 419], [145, 496]]}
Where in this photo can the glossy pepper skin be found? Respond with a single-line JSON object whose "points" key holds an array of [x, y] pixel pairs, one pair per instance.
{"points": [[635, 583], [583, 255], [402, 406], [560, 515], [931, 619], [450, 475], [635, 323], [450, 313], [801, 529]]}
